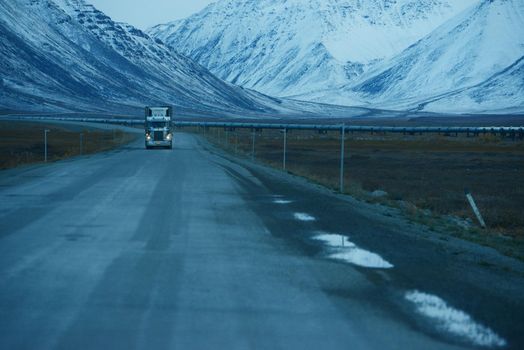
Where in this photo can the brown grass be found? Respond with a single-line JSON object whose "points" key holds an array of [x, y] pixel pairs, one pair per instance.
{"points": [[23, 142]]}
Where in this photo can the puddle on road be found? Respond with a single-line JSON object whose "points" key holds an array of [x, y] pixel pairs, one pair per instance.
{"points": [[342, 249], [452, 320], [304, 217]]}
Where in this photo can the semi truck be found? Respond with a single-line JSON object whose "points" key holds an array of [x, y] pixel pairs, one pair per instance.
{"points": [[159, 127]]}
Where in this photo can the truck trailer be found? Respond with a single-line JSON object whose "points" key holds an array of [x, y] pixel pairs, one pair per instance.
{"points": [[159, 127]]}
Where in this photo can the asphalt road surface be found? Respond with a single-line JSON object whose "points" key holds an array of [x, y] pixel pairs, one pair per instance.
{"points": [[190, 249]]}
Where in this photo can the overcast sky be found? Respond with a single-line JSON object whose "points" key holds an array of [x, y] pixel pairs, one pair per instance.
{"points": [[146, 13]]}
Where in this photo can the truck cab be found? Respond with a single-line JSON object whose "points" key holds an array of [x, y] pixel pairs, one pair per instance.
{"points": [[159, 127]]}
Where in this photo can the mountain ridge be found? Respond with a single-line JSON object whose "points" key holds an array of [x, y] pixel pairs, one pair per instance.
{"points": [[66, 54]]}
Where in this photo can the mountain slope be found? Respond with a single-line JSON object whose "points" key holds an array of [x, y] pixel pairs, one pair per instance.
{"points": [[67, 55], [295, 47], [502, 93], [466, 54]]}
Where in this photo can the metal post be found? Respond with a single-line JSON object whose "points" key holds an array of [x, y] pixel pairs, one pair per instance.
{"points": [[236, 141], [285, 149], [342, 150], [253, 146], [475, 208], [45, 144], [81, 143]]}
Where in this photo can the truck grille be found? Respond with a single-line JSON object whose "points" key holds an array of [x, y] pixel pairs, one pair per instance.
{"points": [[158, 136]]}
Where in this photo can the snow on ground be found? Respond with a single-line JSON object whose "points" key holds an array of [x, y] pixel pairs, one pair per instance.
{"points": [[453, 321], [340, 248], [304, 217], [281, 201]]}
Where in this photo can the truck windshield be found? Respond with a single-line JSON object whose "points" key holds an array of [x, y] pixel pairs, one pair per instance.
{"points": [[158, 124]]}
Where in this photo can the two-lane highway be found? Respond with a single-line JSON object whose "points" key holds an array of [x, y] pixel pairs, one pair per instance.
{"points": [[185, 249]]}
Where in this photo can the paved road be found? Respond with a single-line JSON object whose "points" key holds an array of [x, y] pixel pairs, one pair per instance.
{"points": [[185, 249]]}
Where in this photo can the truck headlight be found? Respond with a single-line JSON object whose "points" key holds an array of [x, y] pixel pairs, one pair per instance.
{"points": [[169, 137], [148, 137]]}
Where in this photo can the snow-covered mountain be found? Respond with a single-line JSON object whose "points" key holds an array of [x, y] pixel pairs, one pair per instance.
{"points": [[471, 63], [393, 54], [294, 47], [65, 54], [432, 55]]}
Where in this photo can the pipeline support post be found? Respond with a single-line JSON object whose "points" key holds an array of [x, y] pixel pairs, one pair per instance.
{"points": [[253, 145], [342, 155], [45, 144], [81, 143]]}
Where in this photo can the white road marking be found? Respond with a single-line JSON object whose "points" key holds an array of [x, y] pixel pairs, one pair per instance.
{"points": [[304, 217], [452, 320], [342, 249]]}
